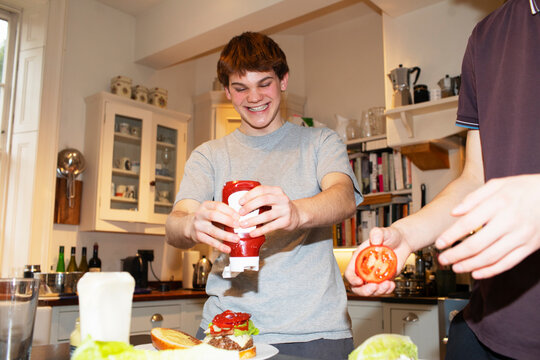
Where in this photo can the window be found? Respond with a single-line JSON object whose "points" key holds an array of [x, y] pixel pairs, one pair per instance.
{"points": [[8, 32]]}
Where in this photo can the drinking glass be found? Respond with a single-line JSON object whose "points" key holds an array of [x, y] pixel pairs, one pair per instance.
{"points": [[18, 303]]}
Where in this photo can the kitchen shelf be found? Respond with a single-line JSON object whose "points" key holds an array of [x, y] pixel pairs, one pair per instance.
{"points": [[165, 145], [131, 139], [371, 143], [394, 197], [164, 178], [163, 203], [121, 199], [408, 113], [127, 173]]}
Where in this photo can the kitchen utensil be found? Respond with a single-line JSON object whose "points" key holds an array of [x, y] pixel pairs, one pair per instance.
{"points": [[421, 93], [137, 266], [189, 261], [124, 128], [341, 127], [18, 304], [456, 80], [200, 273], [400, 78], [447, 86], [377, 120], [71, 163], [59, 283]]}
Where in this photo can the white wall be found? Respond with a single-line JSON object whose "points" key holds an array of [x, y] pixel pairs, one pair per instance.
{"points": [[344, 69], [433, 38], [99, 46]]}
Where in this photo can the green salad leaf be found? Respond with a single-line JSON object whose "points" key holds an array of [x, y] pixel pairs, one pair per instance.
{"points": [[386, 347]]}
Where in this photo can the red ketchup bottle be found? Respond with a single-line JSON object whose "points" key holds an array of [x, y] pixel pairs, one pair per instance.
{"points": [[244, 254]]}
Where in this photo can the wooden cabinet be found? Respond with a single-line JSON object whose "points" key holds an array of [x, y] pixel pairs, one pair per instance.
{"points": [[419, 322], [216, 117], [184, 315], [135, 156], [366, 318]]}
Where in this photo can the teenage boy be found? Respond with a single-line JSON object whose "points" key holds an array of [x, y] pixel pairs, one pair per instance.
{"points": [[297, 298]]}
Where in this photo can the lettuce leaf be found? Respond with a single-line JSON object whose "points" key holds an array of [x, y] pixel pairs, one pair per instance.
{"points": [[386, 347]]}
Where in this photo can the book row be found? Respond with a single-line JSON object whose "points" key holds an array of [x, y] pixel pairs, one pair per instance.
{"points": [[382, 171], [354, 231]]}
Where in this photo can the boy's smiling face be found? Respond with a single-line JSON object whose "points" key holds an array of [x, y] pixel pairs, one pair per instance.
{"points": [[257, 97]]}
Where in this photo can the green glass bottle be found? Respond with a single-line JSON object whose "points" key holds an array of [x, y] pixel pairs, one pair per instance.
{"points": [[61, 266], [83, 265], [72, 266]]}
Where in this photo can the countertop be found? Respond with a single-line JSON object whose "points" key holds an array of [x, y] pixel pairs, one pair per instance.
{"points": [[154, 295], [179, 294]]}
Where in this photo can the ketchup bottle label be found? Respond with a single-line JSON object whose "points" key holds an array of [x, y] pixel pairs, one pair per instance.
{"points": [[234, 203]]}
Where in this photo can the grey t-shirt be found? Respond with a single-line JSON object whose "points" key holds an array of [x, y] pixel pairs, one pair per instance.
{"points": [[298, 293]]}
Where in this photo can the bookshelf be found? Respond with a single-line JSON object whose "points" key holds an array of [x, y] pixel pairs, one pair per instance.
{"points": [[387, 192]]}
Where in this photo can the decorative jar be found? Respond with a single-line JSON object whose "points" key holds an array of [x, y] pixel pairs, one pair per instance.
{"points": [[158, 97], [139, 93], [121, 85]]}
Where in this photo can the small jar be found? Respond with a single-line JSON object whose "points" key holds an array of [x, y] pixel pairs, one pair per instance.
{"points": [[139, 93], [121, 85], [158, 97]]}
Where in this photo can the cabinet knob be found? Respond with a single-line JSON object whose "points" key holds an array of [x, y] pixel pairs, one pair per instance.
{"points": [[153, 183], [411, 317], [156, 318]]}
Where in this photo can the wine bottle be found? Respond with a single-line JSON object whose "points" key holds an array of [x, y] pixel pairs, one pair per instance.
{"points": [[72, 266], [83, 265], [61, 266], [95, 263]]}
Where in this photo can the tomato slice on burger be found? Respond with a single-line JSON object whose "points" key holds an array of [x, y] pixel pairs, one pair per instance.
{"points": [[376, 263]]}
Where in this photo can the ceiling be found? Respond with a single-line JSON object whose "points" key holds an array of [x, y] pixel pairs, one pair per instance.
{"points": [[132, 7], [348, 10]]}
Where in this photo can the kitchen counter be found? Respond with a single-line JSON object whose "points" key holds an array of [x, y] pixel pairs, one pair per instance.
{"points": [[200, 294], [154, 295]]}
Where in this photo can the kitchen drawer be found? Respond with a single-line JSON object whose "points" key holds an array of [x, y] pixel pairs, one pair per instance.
{"points": [[63, 323], [145, 316]]}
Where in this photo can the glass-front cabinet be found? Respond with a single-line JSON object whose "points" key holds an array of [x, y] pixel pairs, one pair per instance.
{"points": [[135, 154]]}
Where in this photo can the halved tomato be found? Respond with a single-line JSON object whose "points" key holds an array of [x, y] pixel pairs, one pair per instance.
{"points": [[376, 263]]}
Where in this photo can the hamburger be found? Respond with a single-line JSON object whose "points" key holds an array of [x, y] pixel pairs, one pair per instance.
{"points": [[232, 331]]}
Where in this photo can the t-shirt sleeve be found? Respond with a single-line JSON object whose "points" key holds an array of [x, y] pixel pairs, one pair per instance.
{"points": [[332, 157], [198, 180], [467, 114]]}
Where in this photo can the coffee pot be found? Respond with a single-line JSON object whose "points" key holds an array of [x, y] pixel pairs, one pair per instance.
{"points": [[200, 273], [401, 84]]}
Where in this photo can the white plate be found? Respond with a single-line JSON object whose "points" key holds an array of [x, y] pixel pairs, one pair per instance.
{"points": [[264, 351]]}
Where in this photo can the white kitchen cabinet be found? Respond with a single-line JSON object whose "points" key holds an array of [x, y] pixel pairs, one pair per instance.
{"points": [[215, 116], [182, 314], [135, 155], [419, 322], [366, 318]]}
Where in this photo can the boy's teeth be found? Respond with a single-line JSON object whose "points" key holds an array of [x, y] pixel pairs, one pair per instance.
{"points": [[258, 108]]}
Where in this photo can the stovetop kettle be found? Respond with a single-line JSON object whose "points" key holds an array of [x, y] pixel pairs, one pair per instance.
{"points": [[401, 84]]}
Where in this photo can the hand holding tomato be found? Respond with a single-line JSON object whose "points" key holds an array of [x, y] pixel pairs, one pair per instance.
{"points": [[376, 263], [392, 238]]}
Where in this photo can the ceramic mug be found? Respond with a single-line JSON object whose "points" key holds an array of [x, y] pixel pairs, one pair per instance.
{"points": [[136, 167], [164, 195], [123, 163], [124, 128], [130, 191], [136, 131], [121, 190]]}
